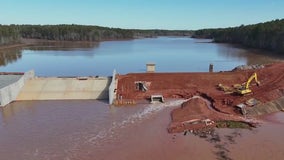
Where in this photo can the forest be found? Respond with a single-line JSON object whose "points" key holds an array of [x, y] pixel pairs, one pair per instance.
{"points": [[10, 34], [266, 36]]}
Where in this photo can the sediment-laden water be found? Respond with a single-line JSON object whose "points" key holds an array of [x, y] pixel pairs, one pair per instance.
{"points": [[94, 130]]}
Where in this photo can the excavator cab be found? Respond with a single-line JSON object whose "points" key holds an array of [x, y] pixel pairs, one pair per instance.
{"points": [[245, 89]]}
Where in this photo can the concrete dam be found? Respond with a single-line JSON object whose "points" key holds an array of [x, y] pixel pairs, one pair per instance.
{"points": [[65, 88], [26, 86]]}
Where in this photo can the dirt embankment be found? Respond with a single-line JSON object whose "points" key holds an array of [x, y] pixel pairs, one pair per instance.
{"points": [[187, 85]]}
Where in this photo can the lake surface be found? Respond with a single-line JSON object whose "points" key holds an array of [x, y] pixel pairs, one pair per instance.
{"points": [[170, 54], [90, 129]]}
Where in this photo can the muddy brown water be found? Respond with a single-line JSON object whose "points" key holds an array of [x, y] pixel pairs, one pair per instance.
{"points": [[88, 130]]}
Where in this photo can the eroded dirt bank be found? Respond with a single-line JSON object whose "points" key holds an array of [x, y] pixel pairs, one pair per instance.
{"points": [[187, 85]]}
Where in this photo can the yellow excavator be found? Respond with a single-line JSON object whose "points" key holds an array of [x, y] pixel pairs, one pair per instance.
{"points": [[245, 88]]}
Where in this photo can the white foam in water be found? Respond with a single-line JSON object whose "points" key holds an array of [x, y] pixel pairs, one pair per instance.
{"points": [[140, 115]]}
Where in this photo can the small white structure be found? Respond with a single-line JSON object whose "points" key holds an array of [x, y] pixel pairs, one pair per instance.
{"points": [[151, 67], [157, 98], [242, 108]]}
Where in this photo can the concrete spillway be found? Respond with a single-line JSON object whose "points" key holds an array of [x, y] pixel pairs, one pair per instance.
{"points": [[41, 88]]}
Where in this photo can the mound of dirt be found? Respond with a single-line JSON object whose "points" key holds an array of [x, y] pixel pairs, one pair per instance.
{"points": [[195, 108], [197, 113], [190, 116]]}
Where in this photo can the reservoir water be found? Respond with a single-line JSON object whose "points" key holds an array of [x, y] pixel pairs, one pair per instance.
{"points": [[171, 54], [88, 130]]}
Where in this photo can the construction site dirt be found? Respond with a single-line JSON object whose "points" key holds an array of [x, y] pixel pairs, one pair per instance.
{"points": [[206, 102]]}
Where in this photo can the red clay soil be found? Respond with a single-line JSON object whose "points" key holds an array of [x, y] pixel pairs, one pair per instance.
{"points": [[191, 116], [187, 85]]}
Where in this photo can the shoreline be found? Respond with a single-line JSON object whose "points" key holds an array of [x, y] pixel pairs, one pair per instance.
{"points": [[34, 42], [241, 46], [9, 46]]}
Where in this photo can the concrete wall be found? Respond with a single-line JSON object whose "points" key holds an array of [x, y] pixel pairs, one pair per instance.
{"points": [[266, 108], [55, 88], [10, 92], [112, 88]]}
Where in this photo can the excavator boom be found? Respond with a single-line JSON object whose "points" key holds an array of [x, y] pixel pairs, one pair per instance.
{"points": [[253, 76], [246, 90]]}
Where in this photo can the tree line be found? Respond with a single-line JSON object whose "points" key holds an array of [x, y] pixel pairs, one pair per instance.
{"points": [[10, 34], [267, 36]]}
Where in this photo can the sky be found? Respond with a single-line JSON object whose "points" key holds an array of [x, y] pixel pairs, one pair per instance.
{"points": [[142, 14]]}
